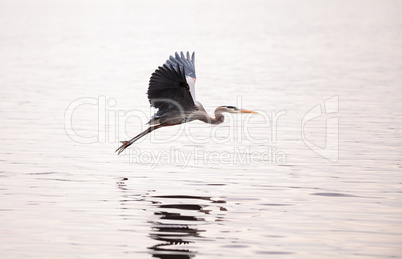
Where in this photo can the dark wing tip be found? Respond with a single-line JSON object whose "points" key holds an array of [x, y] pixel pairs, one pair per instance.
{"points": [[186, 62]]}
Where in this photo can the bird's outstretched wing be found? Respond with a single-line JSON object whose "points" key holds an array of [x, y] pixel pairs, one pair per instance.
{"points": [[189, 68], [168, 88]]}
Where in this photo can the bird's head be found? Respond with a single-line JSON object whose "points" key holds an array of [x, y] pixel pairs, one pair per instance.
{"points": [[233, 109]]}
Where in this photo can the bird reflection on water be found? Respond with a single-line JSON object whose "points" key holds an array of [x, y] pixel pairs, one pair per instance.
{"points": [[176, 227]]}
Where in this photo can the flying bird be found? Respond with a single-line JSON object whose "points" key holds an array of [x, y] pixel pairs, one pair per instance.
{"points": [[172, 91]]}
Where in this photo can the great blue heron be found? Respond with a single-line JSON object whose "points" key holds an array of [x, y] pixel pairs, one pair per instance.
{"points": [[172, 91]]}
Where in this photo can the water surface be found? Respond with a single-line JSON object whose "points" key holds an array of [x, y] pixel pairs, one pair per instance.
{"points": [[251, 187]]}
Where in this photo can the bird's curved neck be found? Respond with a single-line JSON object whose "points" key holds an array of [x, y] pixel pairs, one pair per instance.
{"points": [[203, 116], [219, 118]]}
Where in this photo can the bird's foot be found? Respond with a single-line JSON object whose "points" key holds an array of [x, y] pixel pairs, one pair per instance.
{"points": [[124, 145]]}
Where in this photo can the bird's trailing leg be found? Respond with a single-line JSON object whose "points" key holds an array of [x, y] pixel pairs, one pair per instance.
{"points": [[126, 144]]}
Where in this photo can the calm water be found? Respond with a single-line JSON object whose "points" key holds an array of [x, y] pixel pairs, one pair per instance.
{"points": [[316, 174]]}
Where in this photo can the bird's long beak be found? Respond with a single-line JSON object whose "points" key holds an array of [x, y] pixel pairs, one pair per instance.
{"points": [[246, 111]]}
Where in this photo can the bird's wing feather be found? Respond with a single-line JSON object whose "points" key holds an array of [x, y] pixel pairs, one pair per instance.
{"points": [[168, 89], [189, 68], [185, 61]]}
